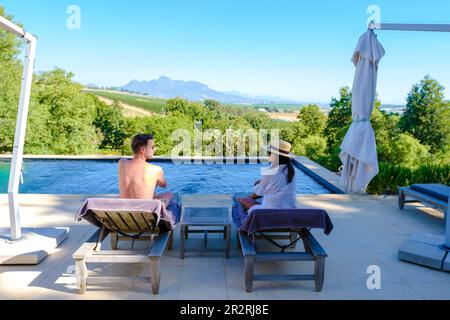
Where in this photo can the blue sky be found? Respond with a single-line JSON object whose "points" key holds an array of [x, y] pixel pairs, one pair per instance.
{"points": [[289, 48]]}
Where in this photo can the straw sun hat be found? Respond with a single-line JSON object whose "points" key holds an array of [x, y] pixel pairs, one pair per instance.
{"points": [[282, 148]]}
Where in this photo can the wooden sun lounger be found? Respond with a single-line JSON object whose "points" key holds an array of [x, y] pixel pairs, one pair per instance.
{"points": [[418, 196], [313, 252], [141, 225]]}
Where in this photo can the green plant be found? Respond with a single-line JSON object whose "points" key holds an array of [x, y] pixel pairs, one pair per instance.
{"points": [[391, 177]]}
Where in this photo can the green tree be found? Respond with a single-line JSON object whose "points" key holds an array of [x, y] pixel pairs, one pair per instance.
{"points": [[313, 119], [287, 130], [195, 111], [134, 126], [313, 147], [386, 129], [9, 43], [38, 139], [441, 158], [338, 123], [72, 113], [111, 123], [258, 120], [211, 104], [9, 100], [427, 115], [408, 151], [10, 79], [161, 127], [231, 123], [339, 118]]}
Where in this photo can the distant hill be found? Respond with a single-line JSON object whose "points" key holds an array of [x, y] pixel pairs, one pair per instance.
{"points": [[167, 88]]}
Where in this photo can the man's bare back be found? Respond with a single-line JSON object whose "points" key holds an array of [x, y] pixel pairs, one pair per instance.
{"points": [[138, 179]]}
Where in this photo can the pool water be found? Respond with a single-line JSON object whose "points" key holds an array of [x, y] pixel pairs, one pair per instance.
{"points": [[100, 177]]}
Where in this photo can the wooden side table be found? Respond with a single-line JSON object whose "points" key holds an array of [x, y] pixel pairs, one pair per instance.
{"points": [[205, 220]]}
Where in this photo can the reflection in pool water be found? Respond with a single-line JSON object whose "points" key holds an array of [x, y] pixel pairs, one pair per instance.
{"points": [[100, 177]]}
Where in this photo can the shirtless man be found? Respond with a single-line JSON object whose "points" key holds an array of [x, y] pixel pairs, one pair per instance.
{"points": [[139, 179]]}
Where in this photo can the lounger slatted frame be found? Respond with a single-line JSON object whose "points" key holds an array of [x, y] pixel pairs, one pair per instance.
{"points": [[126, 223]]}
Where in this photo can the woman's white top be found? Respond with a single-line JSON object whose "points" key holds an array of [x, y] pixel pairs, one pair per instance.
{"points": [[277, 193]]}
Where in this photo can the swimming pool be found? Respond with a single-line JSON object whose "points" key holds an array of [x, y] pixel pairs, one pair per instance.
{"points": [[100, 177]]}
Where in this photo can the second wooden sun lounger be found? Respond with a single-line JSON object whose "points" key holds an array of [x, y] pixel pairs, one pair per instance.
{"points": [[274, 224]]}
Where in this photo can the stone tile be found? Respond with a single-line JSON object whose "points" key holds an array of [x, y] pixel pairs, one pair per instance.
{"points": [[203, 282], [169, 287], [357, 275], [433, 291]]}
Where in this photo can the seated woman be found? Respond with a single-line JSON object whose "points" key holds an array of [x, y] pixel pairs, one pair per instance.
{"points": [[277, 188], [139, 179]]}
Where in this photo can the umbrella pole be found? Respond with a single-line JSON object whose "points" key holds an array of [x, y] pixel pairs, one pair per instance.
{"points": [[19, 141], [352, 175], [348, 185], [345, 174], [22, 115]]}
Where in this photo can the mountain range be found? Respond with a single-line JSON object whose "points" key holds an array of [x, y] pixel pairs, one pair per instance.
{"points": [[167, 88]]}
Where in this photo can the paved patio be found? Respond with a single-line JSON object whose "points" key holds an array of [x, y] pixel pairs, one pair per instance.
{"points": [[368, 231]]}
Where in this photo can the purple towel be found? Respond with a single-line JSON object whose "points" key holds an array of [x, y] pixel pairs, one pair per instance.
{"points": [[167, 217], [272, 219]]}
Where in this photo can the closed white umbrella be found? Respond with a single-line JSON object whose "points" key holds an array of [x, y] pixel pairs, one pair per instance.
{"points": [[359, 150]]}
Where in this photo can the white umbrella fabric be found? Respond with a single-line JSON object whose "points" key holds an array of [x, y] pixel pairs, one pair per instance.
{"points": [[359, 150]]}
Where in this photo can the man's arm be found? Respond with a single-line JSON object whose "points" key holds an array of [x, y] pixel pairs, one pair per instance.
{"points": [[162, 182], [121, 182]]}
